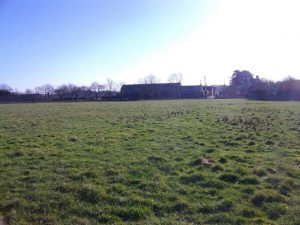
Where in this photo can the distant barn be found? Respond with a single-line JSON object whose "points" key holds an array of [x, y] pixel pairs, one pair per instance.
{"points": [[151, 91], [166, 91]]}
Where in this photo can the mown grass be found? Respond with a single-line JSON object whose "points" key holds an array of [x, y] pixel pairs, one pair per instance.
{"points": [[151, 162]]}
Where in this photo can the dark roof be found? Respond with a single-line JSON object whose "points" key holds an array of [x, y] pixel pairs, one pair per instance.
{"points": [[154, 85]]}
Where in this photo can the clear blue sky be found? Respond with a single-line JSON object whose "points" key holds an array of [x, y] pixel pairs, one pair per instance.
{"points": [[80, 41]]}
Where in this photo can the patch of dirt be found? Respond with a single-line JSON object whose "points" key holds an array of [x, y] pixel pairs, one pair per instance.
{"points": [[206, 162]]}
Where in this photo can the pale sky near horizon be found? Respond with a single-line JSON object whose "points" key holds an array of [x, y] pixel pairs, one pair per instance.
{"points": [[64, 41]]}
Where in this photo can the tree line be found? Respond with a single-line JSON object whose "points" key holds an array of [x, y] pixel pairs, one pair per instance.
{"points": [[65, 92], [243, 84]]}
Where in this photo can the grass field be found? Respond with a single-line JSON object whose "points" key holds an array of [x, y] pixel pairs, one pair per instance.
{"points": [[150, 162]]}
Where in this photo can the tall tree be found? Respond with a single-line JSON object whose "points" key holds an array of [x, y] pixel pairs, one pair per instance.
{"points": [[97, 88], [110, 84], [62, 91], [241, 82], [5, 87], [175, 78], [149, 79], [48, 90]]}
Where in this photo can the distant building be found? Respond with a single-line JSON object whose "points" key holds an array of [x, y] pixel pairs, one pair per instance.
{"points": [[194, 91], [151, 91], [166, 91]]}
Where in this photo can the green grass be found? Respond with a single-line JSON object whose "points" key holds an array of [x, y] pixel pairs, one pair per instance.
{"points": [[150, 162]]}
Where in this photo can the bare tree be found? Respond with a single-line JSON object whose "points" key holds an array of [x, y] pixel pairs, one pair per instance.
{"points": [[119, 85], [38, 90], [97, 88], [149, 79], [110, 84], [175, 78], [62, 91], [5, 87], [74, 91], [48, 90], [28, 92]]}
